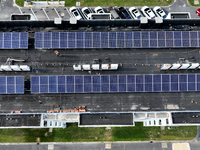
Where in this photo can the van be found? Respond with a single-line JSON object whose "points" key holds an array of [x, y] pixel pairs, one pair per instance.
{"points": [[114, 13]]}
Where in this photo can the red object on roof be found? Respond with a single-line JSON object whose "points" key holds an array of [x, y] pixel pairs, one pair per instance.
{"points": [[198, 12]]}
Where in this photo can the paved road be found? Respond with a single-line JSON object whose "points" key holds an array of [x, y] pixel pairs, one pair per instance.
{"points": [[97, 146]]}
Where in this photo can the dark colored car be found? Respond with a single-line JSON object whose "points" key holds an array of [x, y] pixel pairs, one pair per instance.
{"points": [[123, 13]]}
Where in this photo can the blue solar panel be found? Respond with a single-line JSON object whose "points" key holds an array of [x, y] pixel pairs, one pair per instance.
{"points": [[87, 88], [105, 87], [112, 35], [122, 79], [87, 79], [165, 78], [183, 86], [198, 86], [153, 43], [10, 80], [177, 35], [191, 77], [61, 88], [191, 86], [131, 87], [113, 87], [104, 39], [96, 87], [169, 35], [96, 80], [2, 80], [70, 88], [70, 79], [182, 78], [174, 86], [79, 88], [113, 79], [139, 79], [165, 87], [185, 35], [104, 79], [112, 44], [148, 87], [174, 78], [161, 43], [136, 35], [78, 79], [186, 43], [122, 87], [194, 43], [137, 39], [131, 79], [157, 78], [148, 78], [104, 83], [169, 43], [157, 87], [193, 34], [139, 88], [137, 43], [145, 35], [177, 43], [96, 40], [153, 35], [198, 77], [161, 35], [145, 43], [52, 88]]}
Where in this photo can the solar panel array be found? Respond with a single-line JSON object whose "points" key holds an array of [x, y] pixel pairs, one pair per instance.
{"points": [[11, 85], [156, 39], [115, 83], [13, 40]]}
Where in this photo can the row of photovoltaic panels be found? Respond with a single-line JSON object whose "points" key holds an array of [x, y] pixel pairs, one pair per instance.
{"points": [[11, 85], [13, 40], [139, 39], [115, 83]]}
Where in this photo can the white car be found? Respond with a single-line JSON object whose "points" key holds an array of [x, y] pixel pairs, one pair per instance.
{"points": [[135, 12], [86, 11], [75, 12], [148, 12], [99, 10], [159, 12]]}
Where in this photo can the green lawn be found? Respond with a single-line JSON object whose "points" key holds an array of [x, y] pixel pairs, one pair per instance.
{"points": [[73, 133], [191, 2], [69, 3]]}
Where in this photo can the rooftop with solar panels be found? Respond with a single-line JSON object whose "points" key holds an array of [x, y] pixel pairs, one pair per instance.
{"points": [[98, 73]]}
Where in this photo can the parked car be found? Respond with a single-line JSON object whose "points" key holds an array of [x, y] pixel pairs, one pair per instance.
{"points": [[135, 12], [99, 10], [75, 12], [86, 11], [148, 12], [114, 13], [123, 13], [198, 12], [159, 12]]}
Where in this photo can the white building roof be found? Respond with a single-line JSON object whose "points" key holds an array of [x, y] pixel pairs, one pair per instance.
{"points": [[114, 66], [184, 66], [95, 66], [77, 67], [165, 66], [86, 67], [105, 66], [175, 66], [6, 67], [25, 68]]}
